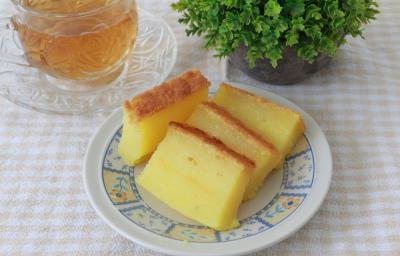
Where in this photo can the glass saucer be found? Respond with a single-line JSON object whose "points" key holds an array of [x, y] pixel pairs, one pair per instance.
{"points": [[149, 64]]}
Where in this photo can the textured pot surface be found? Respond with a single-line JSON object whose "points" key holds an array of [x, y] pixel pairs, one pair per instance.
{"points": [[290, 70]]}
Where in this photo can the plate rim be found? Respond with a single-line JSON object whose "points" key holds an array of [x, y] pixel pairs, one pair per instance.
{"points": [[106, 210]]}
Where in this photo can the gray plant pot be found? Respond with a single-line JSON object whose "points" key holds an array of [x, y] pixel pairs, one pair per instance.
{"points": [[290, 70]]}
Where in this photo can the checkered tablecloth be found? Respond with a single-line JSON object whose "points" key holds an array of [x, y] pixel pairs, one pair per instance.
{"points": [[356, 100]]}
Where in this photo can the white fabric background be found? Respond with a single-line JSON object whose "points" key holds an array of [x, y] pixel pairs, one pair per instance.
{"points": [[356, 100]]}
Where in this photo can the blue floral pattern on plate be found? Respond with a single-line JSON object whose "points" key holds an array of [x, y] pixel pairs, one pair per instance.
{"points": [[120, 185]]}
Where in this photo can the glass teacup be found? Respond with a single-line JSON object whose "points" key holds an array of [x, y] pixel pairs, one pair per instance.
{"points": [[77, 44]]}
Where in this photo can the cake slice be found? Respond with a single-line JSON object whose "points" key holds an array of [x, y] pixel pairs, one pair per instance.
{"points": [[198, 176], [147, 115], [277, 124], [217, 122]]}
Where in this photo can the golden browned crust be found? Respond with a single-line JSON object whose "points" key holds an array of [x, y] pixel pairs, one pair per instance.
{"points": [[214, 142], [158, 98], [238, 125], [261, 100]]}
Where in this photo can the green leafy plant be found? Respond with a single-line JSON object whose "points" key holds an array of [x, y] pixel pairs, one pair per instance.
{"points": [[266, 27]]}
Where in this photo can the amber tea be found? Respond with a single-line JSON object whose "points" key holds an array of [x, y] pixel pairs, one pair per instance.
{"points": [[77, 39]]}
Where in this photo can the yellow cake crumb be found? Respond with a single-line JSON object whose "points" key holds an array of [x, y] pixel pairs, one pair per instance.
{"points": [[198, 176], [147, 115], [217, 122], [277, 124]]}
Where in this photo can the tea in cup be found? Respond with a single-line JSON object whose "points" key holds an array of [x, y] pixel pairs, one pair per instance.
{"points": [[77, 42]]}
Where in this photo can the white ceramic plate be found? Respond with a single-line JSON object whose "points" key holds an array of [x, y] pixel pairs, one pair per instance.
{"points": [[288, 199]]}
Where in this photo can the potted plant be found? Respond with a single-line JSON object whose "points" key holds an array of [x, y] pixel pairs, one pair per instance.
{"points": [[276, 41]]}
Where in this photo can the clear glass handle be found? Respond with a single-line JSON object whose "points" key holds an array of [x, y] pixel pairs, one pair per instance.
{"points": [[6, 23], [10, 46]]}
